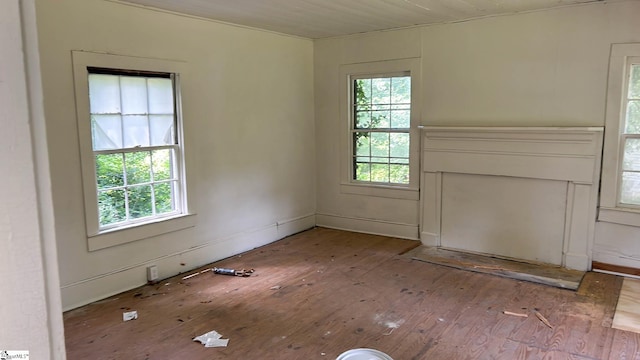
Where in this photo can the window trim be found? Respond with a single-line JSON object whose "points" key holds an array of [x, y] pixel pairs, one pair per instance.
{"points": [[611, 209], [377, 69], [102, 238]]}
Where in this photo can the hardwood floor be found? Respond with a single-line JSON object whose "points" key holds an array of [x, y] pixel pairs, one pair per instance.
{"points": [[319, 293]]}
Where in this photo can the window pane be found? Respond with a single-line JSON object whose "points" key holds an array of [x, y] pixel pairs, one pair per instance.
{"points": [[399, 160], [162, 129], [632, 123], [631, 159], [164, 197], [363, 172], [138, 166], [109, 171], [386, 107], [401, 89], [136, 130], [380, 160], [379, 144], [400, 119], [380, 172], [162, 160], [106, 132], [362, 91], [399, 145], [160, 96], [362, 144], [634, 82], [399, 174], [381, 91], [630, 189], [363, 119], [111, 207], [104, 94], [140, 204], [380, 119], [134, 95]]}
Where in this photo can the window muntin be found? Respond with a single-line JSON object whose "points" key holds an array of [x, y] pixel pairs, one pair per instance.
{"points": [[380, 128], [134, 143], [629, 194]]}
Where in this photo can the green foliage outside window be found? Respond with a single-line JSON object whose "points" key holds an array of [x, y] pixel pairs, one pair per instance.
{"points": [[134, 185]]}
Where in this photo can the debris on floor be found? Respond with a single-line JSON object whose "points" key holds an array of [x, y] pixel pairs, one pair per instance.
{"points": [[277, 287], [196, 274], [232, 272], [543, 319], [129, 315], [212, 339], [515, 314]]}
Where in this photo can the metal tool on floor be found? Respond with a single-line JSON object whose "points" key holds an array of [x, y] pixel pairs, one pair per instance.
{"points": [[233, 272]]}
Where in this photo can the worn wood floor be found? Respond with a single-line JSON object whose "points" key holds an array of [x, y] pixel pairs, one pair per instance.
{"points": [[321, 292]]}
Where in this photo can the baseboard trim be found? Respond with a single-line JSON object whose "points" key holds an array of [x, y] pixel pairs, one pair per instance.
{"points": [[596, 265], [368, 226], [105, 285]]}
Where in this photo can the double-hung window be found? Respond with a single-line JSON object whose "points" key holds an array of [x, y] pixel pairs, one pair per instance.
{"points": [[131, 147], [134, 143], [380, 126], [629, 174], [381, 146], [620, 190]]}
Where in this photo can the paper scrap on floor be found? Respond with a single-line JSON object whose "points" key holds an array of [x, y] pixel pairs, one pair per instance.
{"points": [[129, 315], [212, 339]]}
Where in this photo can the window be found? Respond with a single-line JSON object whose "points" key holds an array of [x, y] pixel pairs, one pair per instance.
{"points": [[381, 117], [133, 125], [381, 121], [620, 190], [131, 146], [630, 142]]}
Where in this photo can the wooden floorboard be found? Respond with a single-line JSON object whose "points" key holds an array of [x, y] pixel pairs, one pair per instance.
{"points": [[535, 272], [627, 314], [319, 293]]}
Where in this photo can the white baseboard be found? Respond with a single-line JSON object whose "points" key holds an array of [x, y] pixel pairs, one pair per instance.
{"points": [[614, 256], [429, 239], [368, 226], [577, 262], [100, 287]]}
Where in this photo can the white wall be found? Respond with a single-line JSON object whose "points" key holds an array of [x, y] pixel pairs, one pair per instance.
{"points": [[30, 304], [545, 68], [372, 214], [248, 120]]}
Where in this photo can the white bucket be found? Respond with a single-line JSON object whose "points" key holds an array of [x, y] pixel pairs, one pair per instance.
{"points": [[363, 354]]}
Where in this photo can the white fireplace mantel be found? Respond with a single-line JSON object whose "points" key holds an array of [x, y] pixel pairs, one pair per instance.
{"points": [[523, 192]]}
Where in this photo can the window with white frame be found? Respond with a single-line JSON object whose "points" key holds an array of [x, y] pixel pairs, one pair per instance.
{"points": [[629, 194], [134, 144], [620, 188], [380, 126], [131, 146], [381, 114]]}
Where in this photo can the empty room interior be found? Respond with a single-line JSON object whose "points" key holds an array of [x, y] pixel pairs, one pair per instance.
{"points": [[427, 179]]}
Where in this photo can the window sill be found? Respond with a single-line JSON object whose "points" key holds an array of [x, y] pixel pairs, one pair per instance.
{"points": [[138, 232], [392, 192], [622, 216]]}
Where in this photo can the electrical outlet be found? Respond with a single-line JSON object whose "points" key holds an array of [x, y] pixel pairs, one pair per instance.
{"points": [[152, 273]]}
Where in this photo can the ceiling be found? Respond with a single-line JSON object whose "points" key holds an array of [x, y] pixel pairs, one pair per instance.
{"points": [[326, 18]]}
